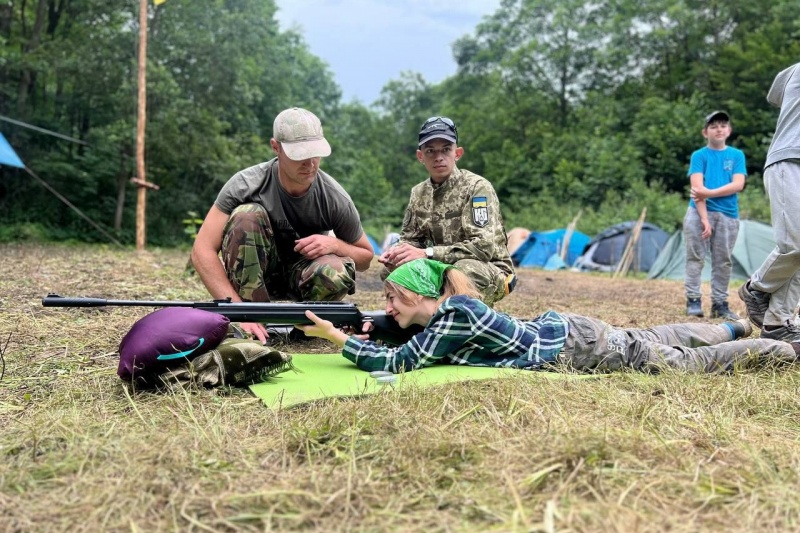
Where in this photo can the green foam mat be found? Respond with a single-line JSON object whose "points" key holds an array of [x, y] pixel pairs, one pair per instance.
{"points": [[330, 375]]}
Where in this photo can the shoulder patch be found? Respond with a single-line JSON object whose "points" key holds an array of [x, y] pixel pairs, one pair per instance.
{"points": [[480, 211]]}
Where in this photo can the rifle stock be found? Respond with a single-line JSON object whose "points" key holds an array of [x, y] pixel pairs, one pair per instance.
{"points": [[341, 314]]}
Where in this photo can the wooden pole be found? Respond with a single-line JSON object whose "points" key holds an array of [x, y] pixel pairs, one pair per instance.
{"points": [[141, 199], [568, 235], [630, 250]]}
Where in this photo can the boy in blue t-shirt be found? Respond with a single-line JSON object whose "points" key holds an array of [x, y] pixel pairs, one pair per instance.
{"points": [[717, 173]]}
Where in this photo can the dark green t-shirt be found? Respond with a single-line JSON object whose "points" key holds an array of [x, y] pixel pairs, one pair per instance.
{"points": [[325, 207]]}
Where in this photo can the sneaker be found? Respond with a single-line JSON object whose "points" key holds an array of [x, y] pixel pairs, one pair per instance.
{"points": [[721, 310], [787, 333], [741, 328], [756, 303], [694, 307]]}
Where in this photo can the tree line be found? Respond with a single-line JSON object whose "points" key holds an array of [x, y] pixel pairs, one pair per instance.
{"points": [[565, 105]]}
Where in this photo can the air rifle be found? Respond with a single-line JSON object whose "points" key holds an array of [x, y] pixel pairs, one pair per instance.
{"points": [[341, 314]]}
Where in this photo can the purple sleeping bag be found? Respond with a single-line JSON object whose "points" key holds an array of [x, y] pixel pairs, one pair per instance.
{"points": [[168, 337]]}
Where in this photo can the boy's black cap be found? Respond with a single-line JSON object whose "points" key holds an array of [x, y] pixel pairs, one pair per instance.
{"points": [[438, 128], [717, 116]]}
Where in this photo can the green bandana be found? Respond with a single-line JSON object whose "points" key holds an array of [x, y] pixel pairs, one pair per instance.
{"points": [[423, 276]]}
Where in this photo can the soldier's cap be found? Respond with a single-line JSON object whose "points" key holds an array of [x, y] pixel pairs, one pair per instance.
{"points": [[300, 133], [717, 116], [438, 128]]}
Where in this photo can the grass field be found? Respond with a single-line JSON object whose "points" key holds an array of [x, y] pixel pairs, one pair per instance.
{"points": [[624, 452]]}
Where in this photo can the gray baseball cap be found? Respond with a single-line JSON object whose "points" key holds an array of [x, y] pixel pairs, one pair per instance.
{"points": [[300, 133]]}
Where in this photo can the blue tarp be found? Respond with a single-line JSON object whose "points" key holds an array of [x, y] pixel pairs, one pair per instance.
{"points": [[541, 245], [7, 154]]}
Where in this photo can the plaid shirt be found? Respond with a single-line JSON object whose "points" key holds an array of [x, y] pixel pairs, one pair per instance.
{"points": [[465, 331]]}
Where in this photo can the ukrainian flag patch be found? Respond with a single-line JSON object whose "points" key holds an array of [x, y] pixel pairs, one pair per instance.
{"points": [[480, 211]]}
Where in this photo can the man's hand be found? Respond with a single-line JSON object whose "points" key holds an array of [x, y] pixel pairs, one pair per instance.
{"points": [[400, 254], [315, 246], [256, 330]]}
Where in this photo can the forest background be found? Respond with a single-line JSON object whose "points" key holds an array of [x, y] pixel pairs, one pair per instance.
{"points": [[563, 104]]}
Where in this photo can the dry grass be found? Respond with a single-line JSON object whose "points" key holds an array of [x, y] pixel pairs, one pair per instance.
{"points": [[626, 452]]}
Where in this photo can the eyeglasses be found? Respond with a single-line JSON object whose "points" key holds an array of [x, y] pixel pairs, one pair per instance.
{"points": [[428, 127]]}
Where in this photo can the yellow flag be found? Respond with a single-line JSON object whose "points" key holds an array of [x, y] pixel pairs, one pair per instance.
{"points": [[159, 2]]}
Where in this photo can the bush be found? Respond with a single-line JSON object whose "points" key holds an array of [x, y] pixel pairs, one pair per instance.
{"points": [[544, 212], [754, 202], [24, 231]]}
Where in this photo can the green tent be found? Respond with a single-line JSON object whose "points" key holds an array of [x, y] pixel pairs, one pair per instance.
{"points": [[753, 245]]}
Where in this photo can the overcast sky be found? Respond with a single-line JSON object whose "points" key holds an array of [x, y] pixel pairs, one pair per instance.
{"points": [[367, 43]]}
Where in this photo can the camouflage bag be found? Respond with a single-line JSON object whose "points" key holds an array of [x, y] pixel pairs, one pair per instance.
{"points": [[235, 362]]}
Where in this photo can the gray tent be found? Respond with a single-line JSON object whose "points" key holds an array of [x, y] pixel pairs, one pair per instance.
{"points": [[753, 245], [604, 252]]}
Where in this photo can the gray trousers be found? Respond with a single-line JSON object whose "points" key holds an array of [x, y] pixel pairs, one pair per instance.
{"points": [[779, 273], [596, 346], [724, 231]]}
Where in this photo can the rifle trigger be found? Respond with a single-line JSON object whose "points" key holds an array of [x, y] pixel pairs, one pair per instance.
{"points": [[367, 320]]}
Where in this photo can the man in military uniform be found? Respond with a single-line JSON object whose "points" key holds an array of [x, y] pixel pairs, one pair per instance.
{"points": [[272, 222], [454, 217]]}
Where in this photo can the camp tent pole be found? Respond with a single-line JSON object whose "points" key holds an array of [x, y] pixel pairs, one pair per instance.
{"points": [[568, 235], [630, 249]]}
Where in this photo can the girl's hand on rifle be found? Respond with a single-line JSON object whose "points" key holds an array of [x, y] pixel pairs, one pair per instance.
{"points": [[366, 327], [323, 329]]}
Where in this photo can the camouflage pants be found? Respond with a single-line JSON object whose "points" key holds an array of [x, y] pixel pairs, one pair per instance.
{"points": [[488, 279], [258, 273], [596, 346]]}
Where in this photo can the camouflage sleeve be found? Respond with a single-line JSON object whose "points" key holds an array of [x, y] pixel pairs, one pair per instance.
{"points": [[410, 231], [483, 228]]}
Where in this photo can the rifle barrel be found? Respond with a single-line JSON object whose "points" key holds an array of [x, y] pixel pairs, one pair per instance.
{"points": [[54, 300], [339, 313]]}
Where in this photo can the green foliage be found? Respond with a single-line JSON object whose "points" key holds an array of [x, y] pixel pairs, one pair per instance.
{"points": [[563, 105], [544, 213], [664, 209], [753, 202], [667, 132], [23, 231], [192, 224], [218, 72], [355, 139]]}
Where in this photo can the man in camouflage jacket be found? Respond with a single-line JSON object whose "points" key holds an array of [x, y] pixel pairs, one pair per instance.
{"points": [[454, 217]]}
